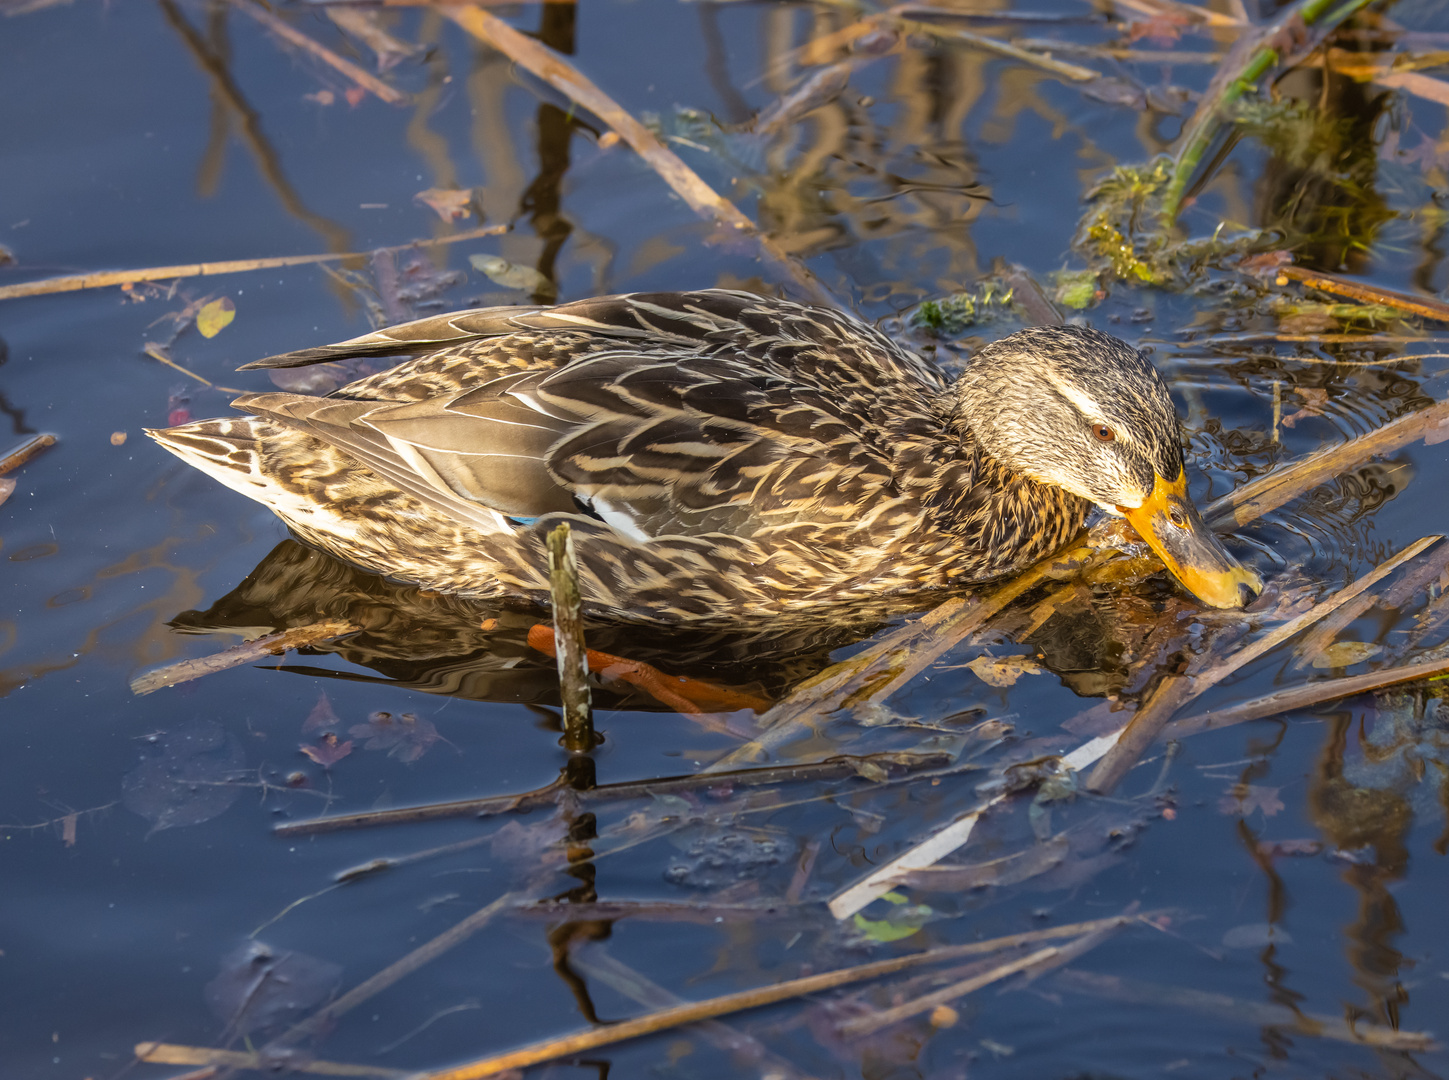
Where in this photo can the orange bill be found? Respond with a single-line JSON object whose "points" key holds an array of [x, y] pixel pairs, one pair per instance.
{"points": [[1171, 525]]}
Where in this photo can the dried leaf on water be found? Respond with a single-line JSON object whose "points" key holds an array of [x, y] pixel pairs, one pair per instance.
{"points": [[1314, 402], [406, 737], [215, 316], [450, 204], [327, 751], [193, 780], [1003, 670], [1244, 799], [7, 488], [321, 718], [1342, 654], [511, 275], [259, 987]]}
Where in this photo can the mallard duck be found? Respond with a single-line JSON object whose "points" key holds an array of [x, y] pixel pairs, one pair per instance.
{"points": [[717, 454]]}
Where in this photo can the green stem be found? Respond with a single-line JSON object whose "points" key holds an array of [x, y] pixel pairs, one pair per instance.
{"points": [[1207, 120]]}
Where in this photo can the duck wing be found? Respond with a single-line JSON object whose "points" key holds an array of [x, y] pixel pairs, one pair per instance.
{"points": [[660, 414]]}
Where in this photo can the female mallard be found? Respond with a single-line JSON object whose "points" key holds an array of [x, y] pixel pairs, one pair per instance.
{"points": [[718, 455]]}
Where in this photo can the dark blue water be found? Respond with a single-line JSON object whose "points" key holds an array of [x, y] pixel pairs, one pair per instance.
{"points": [[112, 928]]}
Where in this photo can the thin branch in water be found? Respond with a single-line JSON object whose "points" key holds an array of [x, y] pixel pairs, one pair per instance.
{"points": [[568, 640], [245, 653], [666, 1019], [558, 72], [103, 278], [289, 33], [1254, 1013], [157, 1053], [1060, 68], [834, 768], [1304, 697], [1176, 691], [1370, 294], [25, 451]]}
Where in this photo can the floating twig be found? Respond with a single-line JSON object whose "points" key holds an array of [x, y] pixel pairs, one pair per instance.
{"points": [[568, 637], [1035, 964], [1370, 294], [102, 278], [289, 33], [833, 768], [245, 653], [25, 451], [1303, 697], [1192, 12], [1177, 690], [158, 1053], [665, 1019], [556, 70], [1060, 68], [1255, 1013]]}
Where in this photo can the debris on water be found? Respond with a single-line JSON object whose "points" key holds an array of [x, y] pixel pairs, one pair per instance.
{"points": [[327, 751], [450, 204], [215, 316], [1244, 799], [259, 987], [1342, 654], [722, 858], [195, 777], [406, 737], [512, 275]]}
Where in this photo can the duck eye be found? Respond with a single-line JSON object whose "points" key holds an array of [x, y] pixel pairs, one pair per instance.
{"points": [[1103, 432]]}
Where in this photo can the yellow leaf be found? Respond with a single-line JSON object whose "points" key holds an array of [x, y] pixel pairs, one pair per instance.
{"points": [[450, 204], [1346, 654], [215, 316], [1002, 670]]}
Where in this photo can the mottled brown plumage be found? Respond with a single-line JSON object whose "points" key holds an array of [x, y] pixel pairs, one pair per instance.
{"points": [[718, 455]]}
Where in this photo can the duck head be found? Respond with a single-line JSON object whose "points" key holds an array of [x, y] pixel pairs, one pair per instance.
{"points": [[1086, 412]]}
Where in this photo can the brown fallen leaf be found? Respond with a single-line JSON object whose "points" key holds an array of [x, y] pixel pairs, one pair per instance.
{"points": [[1314, 402], [215, 316], [7, 488], [1265, 264], [1342, 654], [512, 275], [406, 737], [1003, 670], [1243, 799], [327, 751], [321, 718], [1162, 30], [118, 438], [450, 204]]}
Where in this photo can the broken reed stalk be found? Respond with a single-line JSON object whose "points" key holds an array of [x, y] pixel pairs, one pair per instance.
{"points": [[1257, 1014], [103, 278], [1239, 75], [1369, 294], [555, 69], [692, 1012], [25, 451], [1060, 68], [568, 636], [833, 768], [289, 33], [248, 651], [1177, 690], [1303, 697], [157, 1053]]}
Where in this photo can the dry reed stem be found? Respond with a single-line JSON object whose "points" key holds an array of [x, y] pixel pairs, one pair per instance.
{"points": [[1176, 691], [248, 651], [158, 1053], [1060, 68], [1303, 697], [555, 70], [25, 451], [1425, 306], [665, 1019], [284, 30], [1171, 7], [103, 278], [571, 655], [1256, 1013]]}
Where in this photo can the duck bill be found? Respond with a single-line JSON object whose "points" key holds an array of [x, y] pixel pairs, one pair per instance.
{"points": [[1171, 525]]}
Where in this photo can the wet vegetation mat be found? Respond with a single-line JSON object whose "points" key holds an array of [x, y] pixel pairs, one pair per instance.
{"points": [[265, 812]]}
